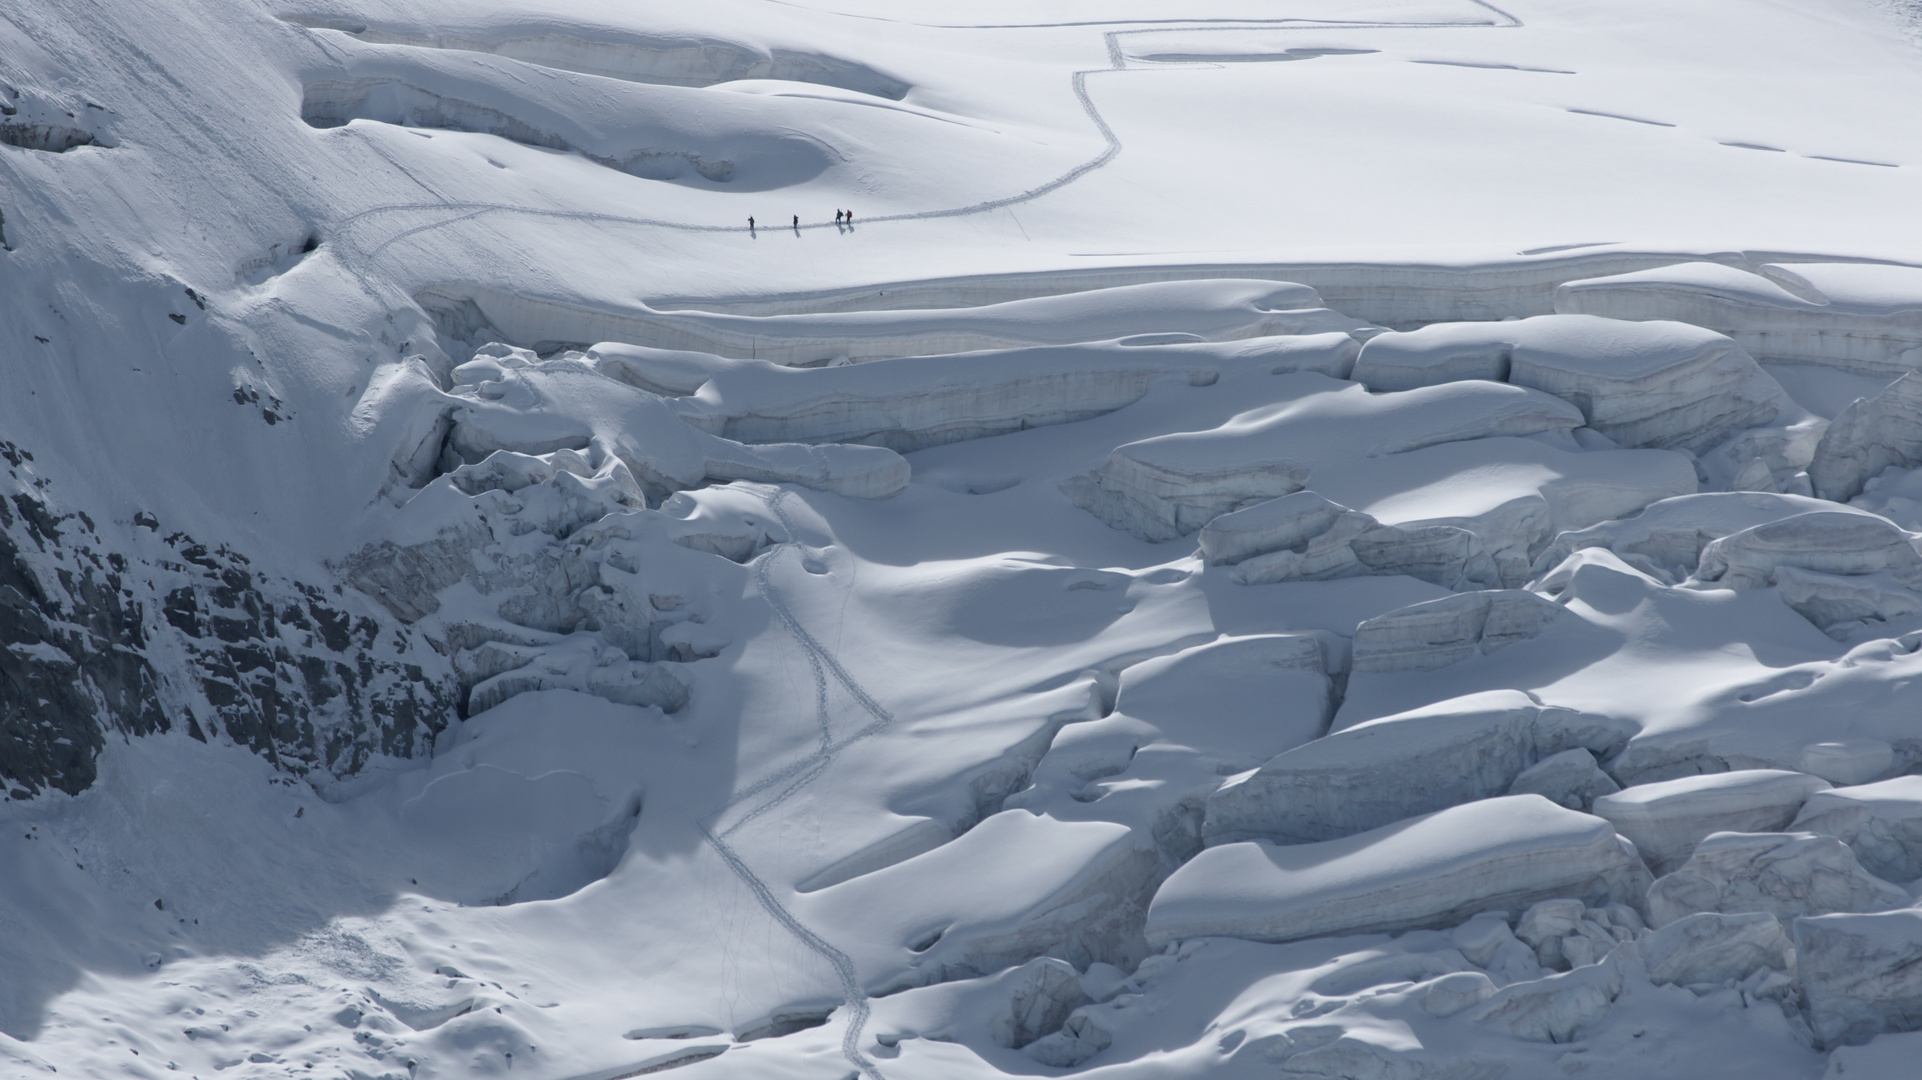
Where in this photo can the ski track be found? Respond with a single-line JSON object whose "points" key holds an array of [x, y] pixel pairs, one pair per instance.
{"points": [[821, 661], [1079, 81], [802, 773]]}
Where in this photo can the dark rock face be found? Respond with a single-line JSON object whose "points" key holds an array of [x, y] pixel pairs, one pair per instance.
{"points": [[93, 643]]}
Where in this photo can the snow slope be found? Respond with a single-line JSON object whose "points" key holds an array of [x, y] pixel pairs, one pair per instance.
{"points": [[1342, 538]]}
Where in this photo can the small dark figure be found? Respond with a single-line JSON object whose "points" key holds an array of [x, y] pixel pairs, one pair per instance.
{"points": [[750, 223], [837, 217], [797, 223]]}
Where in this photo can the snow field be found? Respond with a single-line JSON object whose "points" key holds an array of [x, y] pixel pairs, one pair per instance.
{"points": [[1174, 590]]}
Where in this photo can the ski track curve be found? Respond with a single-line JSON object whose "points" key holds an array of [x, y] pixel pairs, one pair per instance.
{"points": [[821, 662], [1117, 61]]}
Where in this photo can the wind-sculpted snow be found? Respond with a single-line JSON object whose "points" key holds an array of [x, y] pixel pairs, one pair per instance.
{"points": [[877, 539], [1428, 872]]}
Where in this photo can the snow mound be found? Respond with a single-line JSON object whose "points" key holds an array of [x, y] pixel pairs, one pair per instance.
{"points": [[1171, 485], [1429, 871]]}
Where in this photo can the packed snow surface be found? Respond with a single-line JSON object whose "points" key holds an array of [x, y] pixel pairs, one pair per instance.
{"points": [[1364, 539]]}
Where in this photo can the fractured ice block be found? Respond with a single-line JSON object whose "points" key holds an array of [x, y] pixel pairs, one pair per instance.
{"points": [[1430, 871]]}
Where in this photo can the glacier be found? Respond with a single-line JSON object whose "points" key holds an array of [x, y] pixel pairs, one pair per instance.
{"points": [[1362, 539]]}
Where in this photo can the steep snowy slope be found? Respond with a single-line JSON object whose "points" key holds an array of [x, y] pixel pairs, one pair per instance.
{"points": [[1340, 538]]}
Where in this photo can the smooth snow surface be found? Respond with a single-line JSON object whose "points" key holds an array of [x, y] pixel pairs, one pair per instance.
{"points": [[1364, 539]]}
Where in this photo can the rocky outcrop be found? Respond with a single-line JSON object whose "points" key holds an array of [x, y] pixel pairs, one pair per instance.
{"points": [[132, 635]]}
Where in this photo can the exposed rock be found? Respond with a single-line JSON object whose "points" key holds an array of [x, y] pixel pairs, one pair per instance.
{"points": [[1784, 874], [1862, 974], [308, 680], [1437, 633], [1881, 823], [1869, 436], [1667, 819], [1430, 871]]}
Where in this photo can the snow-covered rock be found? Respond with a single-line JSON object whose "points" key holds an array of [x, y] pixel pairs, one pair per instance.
{"points": [[1862, 318], [1430, 871], [1881, 823], [1862, 974], [1873, 434], [1667, 819], [1711, 947], [1437, 633], [1783, 874]]}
